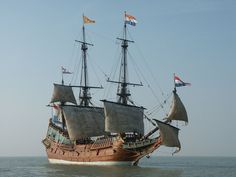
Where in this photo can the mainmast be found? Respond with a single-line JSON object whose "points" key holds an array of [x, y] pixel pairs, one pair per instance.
{"points": [[123, 91], [121, 116]]}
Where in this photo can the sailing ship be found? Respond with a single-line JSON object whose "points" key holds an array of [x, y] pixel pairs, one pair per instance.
{"points": [[81, 133]]}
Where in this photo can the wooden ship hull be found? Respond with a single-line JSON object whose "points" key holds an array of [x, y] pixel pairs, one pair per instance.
{"points": [[110, 150]]}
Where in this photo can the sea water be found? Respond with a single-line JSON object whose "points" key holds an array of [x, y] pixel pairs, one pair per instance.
{"points": [[153, 167]]}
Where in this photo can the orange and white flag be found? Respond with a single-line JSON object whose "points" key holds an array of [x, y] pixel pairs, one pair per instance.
{"points": [[87, 20]]}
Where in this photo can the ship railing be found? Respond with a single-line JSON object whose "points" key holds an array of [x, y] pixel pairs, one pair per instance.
{"points": [[69, 147], [102, 143], [138, 144]]}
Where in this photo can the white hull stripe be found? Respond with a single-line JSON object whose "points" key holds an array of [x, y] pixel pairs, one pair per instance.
{"points": [[121, 163]]}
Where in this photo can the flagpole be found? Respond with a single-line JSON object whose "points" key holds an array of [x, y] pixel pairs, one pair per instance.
{"points": [[83, 19], [125, 27], [174, 84], [62, 80], [125, 15]]}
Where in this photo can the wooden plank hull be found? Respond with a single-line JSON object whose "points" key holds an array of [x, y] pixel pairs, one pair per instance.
{"points": [[103, 151], [87, 154]]}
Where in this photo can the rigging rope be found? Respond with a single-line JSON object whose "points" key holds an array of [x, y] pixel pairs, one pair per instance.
{"points": [[112, 74], [135, 68], [149, 69], [91, 62], [156, 108], [149, 86], [152, 75], [76, 65], [102, 36]]}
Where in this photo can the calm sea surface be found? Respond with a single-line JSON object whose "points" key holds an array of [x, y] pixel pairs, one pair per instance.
{"points": [[153, 167]]}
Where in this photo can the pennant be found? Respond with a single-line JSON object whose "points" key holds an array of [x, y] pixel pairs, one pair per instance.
{"points": [[131, 20], [65, 71], [87, 20], [180, 83]]}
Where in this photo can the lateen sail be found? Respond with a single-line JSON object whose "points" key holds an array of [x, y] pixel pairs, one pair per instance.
{"points": [[123, 118], [84, 122], [63, 93], [169, 134], [178, 111]]}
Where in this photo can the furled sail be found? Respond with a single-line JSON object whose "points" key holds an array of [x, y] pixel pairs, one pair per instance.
{"points": [[178, 111], [123, 118], [169, 134], [83, 122], [63, 93]]}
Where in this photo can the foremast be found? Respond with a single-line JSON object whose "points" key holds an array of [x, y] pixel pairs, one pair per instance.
{"points": [[84, 96], [81, 120], [84, 120]]}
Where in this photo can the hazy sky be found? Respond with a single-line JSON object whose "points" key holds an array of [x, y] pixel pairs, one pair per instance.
{"points": [[195, 39]]}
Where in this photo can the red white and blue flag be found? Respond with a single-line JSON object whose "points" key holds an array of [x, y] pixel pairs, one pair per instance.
{"points": [[129, 19], [179, 82]]}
